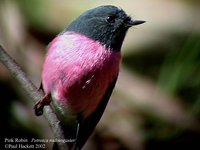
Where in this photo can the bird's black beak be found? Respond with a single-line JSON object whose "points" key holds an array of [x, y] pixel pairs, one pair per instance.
{"points": [[131, 23]]}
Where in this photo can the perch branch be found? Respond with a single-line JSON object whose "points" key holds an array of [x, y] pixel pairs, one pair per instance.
{"points": [[36, 95]]}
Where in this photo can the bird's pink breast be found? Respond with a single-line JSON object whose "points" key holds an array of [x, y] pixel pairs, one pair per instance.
{"points": [[77, 71]]}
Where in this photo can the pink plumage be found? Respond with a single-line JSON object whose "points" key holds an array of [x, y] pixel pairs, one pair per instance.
{"points": [[77, 72], [81, 69]]}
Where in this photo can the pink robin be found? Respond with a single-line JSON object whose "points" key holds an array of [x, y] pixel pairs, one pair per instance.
{"points": [[81, 68]]}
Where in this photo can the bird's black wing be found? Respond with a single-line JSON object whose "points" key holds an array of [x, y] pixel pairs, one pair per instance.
{"points": [[88, 125]]}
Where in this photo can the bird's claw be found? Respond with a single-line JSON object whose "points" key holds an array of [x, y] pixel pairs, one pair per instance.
{"points": [[41, 103]]}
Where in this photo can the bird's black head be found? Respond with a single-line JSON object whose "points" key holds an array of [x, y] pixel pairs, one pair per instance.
{"points": [[106, 24]]}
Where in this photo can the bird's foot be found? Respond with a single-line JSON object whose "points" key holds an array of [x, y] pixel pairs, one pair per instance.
{"points": [[46, 100]]}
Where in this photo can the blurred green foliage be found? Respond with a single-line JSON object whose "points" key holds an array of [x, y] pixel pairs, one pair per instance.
{"points": [[35, 13]]}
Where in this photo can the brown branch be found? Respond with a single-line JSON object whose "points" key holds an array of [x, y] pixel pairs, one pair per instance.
{"points": [[36, 95]]}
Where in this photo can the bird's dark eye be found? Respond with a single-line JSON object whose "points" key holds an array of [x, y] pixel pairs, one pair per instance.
{"points": [[110, 19]]}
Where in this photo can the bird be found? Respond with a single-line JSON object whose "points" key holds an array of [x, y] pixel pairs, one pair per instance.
{"points": [[81, 68]]}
